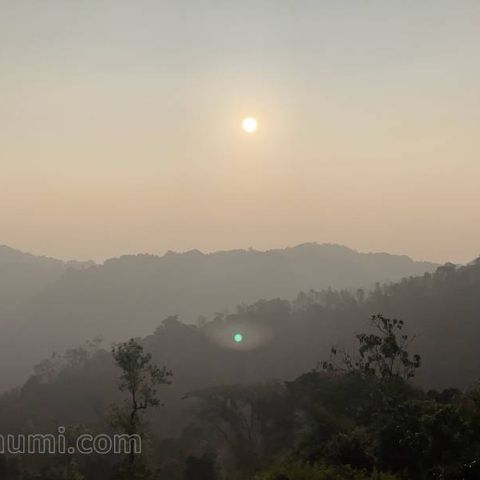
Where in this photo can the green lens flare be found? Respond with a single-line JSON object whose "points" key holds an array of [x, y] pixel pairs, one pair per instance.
{"points": [[238, 337]]}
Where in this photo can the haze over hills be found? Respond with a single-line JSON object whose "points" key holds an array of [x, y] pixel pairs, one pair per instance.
{"points": [[53, 305], [23, 276], [441, 311]]}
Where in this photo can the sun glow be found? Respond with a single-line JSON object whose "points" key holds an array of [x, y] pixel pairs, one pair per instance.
{"points": [[250, 124]]}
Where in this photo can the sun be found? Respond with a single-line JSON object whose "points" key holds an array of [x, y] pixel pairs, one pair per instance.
{"points": [[250, 124]]}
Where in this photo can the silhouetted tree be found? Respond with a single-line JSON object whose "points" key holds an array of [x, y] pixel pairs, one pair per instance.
{"points": [[139, 379], [383, 354]]}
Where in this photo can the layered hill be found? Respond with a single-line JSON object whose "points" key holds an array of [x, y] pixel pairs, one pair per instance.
{"points": [[281, 340], [23, 276], [60, 307]]}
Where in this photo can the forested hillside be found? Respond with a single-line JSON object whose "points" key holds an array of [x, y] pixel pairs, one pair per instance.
{"points": [[23, 276], [61, 307], [317, 388], [281, 340]]}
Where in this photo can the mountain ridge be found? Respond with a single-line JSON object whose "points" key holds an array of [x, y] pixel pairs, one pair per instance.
{"points": [[130, 295]]}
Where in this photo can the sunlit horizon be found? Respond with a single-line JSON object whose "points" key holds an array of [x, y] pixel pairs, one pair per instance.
{"points": [[367, 118]]}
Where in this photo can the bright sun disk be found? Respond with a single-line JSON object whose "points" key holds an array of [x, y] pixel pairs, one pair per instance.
{"points": [[250, 124]]}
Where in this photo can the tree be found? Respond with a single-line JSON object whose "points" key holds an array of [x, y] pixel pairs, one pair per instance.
{"points": [[139, 379], [253, 421], [9, 468], [200, 468], [383, 354], [60, 471]]}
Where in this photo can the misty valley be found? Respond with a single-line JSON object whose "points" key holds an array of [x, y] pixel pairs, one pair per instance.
{"points": [[371, 379], [239, 240]]}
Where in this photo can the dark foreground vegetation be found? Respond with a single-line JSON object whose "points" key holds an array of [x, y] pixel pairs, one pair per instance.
{"points": [[357, 416], [368, 408]]}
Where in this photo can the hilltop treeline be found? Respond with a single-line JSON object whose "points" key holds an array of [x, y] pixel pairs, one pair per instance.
{"points": [[61, 305]]}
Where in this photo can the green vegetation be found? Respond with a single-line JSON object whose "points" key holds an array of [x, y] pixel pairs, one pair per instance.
{"points": [[358, 416], [303, 471], [364, 409]]}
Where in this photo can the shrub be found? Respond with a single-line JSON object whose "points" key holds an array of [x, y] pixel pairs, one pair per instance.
{"points": [[303, 471]]}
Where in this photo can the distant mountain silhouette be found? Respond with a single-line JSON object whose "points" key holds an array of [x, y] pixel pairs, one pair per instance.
{"points": [[23, 276], [61, 307]]}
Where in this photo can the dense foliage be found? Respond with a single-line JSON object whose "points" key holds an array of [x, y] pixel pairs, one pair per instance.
{"points": [[362, 409]]}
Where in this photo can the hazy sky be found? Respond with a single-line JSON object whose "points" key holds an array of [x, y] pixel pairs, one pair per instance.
{"points": [[120, 125]]}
